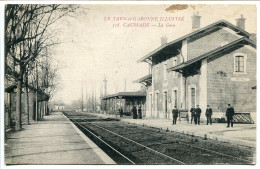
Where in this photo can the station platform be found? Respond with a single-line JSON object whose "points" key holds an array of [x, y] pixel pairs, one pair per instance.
{"points": [[53, 140], [240, 134]]}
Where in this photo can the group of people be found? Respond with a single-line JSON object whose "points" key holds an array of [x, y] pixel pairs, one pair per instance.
{"points": [[137, 114], [196, 112]]}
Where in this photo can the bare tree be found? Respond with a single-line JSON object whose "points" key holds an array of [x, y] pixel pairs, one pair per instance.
{"points": [[28, 31]]}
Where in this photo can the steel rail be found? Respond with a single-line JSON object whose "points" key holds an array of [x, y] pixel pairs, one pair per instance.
{"points": [[212, 151], [205, 149], [174, 159], [104, 142]]}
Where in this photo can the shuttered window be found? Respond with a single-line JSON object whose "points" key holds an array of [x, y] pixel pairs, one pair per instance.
{"points": [[239, 63]]}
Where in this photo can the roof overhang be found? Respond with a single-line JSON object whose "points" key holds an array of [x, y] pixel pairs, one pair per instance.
{"points": [[235, 44], [146, 80], [167, 48], [138, 94], [42, 95]]}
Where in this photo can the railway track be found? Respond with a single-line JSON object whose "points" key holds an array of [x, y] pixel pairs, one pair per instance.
{"points": [[124, 148]]}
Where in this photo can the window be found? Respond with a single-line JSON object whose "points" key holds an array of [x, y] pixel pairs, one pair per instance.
{"points": [[239, 64], [156, 101], [165, 71], [193, 97], [151, 102], [165, 103], [175, 97], [174, 64], [156, 73]]}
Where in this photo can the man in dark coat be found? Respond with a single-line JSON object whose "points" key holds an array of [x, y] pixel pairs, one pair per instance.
{"points": [[121, 112], [208, 115], [230, 113], [192, 113], [134, 113], [175, 113], [197, 115], [139, 112]]}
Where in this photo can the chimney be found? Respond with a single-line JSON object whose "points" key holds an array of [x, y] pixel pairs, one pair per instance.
{"points": [[241, 22], [195, 21], [163, 40]]}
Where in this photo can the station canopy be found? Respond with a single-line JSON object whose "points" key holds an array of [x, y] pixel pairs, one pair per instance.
{"points": [[42, 96], [122, 95], [146, 80]]}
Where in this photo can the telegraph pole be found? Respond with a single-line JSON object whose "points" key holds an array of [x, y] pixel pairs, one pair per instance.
{"points": [[95, 100], [82, 107], [86, 98]]}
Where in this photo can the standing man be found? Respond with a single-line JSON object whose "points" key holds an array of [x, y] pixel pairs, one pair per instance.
{"points": [[134, 113], [175, 113], [121, 112], [230, 113], [192, 114], [140, 112], [208, 115], [197, 115]]}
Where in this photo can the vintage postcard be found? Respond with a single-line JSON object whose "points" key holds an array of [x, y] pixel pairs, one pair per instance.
{"points": [[168, 84]]}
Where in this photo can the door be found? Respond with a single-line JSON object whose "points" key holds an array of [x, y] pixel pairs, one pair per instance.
{"points": [[165, 104], [156, 104], [151, 105], [192, 97], [174, 99]]}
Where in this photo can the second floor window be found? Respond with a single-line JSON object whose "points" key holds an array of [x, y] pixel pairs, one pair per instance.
{"points": [[165, 71], [239, 64], [157, 73], [174, 64]]}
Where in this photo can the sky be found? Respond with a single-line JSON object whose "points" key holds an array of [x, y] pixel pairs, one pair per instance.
{"points": [[96, 49]]}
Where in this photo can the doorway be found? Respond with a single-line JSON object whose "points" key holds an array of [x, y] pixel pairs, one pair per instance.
{"points": [[151, 105], [192, 97], [165, 102], [156, 104]]}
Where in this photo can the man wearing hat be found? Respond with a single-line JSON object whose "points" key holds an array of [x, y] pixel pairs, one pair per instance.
{"points": [[192, 114], [229, 114], [197, 115], [175, 113], [208, 115]]}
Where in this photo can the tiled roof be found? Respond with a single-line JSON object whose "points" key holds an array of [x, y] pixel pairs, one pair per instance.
{"points": [[144, 79], [179, 40], [126, 94], [212, 53]]}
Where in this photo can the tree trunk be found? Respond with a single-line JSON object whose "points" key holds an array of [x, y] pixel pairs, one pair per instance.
{"points": [[18, 119], [27, 107], [40, 110]]}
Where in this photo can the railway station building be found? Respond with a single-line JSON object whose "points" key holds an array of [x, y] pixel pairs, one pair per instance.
{"points": [[10, 104], [214, 65], [59, 107], [110, 104]]}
